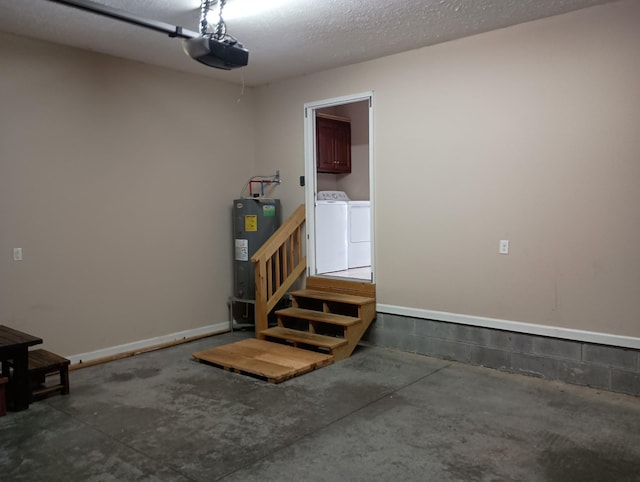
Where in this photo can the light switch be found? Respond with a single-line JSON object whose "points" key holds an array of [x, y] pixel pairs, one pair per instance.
{"points": [[17, 254]]}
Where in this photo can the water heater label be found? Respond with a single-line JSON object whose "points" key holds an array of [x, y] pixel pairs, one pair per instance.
{"points": [[251, 222], [242, 250], [269, 210]]}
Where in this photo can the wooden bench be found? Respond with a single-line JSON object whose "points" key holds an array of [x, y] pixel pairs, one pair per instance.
{"points": [[43, 363], [3, 396]]}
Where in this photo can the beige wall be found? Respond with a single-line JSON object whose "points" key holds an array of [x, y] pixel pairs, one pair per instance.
{"points": [[117, 180], [528, 133]]}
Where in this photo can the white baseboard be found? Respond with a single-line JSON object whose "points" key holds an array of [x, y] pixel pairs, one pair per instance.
{"points": [[516, 326], [142, 344]]}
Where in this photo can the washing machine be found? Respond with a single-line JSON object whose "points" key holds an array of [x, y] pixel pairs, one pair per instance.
{"points": [[359, 234], [332, 231]]}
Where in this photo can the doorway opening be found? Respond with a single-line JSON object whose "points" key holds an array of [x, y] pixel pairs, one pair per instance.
{"points": [[339, 195]]}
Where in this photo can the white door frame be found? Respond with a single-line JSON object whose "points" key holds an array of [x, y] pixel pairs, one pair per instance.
{"points": [[310, 171]]}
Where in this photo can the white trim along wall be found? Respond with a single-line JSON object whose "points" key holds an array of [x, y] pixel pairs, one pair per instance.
{"points": [[515, 326], [148, 343]]}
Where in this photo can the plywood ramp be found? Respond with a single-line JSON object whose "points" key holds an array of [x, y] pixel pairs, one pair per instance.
{"points": [[267, 360]]}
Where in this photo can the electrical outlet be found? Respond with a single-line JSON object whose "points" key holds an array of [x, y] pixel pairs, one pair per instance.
{"points": [[504, 246], [17, 254]]}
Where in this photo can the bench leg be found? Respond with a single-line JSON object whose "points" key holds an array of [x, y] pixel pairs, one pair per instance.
{"points": [[64, 379], [3, 400], [21, 385]]}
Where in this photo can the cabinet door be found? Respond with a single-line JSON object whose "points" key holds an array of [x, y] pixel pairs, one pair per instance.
{"points": [[333, 145], [324, 145], [342, 147]]}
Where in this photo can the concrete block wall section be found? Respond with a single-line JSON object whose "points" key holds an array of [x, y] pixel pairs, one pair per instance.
{"points": [[599, 366]]}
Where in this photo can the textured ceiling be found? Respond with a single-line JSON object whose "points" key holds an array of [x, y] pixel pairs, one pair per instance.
{"points": [[297, 37]]}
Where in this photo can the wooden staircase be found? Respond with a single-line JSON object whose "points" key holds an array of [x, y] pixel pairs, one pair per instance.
{"points": [[325, 323], [329, 316]]}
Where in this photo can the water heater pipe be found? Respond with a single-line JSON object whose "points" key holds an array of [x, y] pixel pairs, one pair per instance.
{"points": [[262, 180]]}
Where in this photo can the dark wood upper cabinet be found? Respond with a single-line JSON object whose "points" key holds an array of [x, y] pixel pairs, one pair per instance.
{"points": [[333, 143]]}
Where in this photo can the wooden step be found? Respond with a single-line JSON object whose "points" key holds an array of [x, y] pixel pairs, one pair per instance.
{"points": [[345, 286], [304, 337], [335, 297], [312, 315]]}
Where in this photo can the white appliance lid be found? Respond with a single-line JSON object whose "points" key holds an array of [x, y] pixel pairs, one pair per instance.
{"points": [[332, 196]]}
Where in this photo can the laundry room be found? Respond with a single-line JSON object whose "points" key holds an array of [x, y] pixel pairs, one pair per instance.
{"points": [[343, 230]]}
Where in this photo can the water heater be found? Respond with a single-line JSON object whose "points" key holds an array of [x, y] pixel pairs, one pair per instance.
{"points": [[254, 221]]}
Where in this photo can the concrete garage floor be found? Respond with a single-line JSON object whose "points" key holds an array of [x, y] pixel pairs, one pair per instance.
{"points": [[381, 415]]}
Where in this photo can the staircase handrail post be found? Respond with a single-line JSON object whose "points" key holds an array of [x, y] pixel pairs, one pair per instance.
{"points": [[261, 314]]}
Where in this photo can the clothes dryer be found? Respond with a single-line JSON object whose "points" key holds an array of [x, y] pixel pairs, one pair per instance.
{"points": [[359, 234]]}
